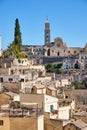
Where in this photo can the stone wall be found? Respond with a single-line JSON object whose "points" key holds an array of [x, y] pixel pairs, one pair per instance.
{"points": [[51, 124], [23, 124], [33, 98], [18, 123], [74, 50], [4, 71], [14, 87], [4, 123]]}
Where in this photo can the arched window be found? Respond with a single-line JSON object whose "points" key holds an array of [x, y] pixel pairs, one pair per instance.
{"points": [[48, 53], [58, 53]]}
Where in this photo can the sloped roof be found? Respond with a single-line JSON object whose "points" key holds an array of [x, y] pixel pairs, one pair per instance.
{"points": [[39, 86], [80, 124], [52, 88]]}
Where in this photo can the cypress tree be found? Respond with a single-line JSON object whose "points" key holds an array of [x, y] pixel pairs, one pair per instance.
{"points": [[17, 34]]}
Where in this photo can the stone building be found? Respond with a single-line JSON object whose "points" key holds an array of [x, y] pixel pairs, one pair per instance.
{"points": [[74, 50], [56, 48], [23, 122], [35, 52]]}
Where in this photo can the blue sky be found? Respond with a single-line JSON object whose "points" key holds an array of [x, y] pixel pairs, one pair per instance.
{"points": [[68, 20]]}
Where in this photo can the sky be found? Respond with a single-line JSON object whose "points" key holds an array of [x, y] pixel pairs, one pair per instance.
{"points": [[68, 20]]}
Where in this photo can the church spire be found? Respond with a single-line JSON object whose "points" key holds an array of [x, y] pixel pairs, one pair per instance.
{"points": [[47, 21]]}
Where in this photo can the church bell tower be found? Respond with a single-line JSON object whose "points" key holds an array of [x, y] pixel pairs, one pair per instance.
{"points": [[47, 33]]}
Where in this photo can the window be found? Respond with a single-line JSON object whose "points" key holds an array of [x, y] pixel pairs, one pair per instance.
{"points": [[1, 122], [51, 108], [10, 79], [12, 71], [74, 51], [22, 80], [58, 53], [81, 57], [1, 79], [48, 53]]}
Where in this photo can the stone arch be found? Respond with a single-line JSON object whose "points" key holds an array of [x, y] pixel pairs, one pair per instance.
{"points": [[77, 65], [58, 53], [48, 52]]}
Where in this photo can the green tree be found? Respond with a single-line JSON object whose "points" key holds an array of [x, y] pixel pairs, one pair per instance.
{"points": [[17, 34], [57, 66], [80, 85], [49, 67], [13, 49], [60, 71]]}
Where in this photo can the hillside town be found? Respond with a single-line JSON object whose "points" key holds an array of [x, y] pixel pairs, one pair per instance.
{"points": [[45, 88]]}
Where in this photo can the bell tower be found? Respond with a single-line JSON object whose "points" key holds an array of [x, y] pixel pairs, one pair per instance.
{"points": [[47, 33]]}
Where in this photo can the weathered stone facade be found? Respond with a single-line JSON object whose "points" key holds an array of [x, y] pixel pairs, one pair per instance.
{"points": [[57, 48]]}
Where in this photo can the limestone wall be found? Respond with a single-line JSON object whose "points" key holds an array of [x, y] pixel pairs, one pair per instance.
{"points": [[51, 124], [23, 124], [19, 123], [4, 123], [74, 50]]}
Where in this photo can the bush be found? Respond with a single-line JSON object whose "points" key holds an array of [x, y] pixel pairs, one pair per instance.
{"points": [[52, 67], [49, 67], [57, 66], [60, 71], [80, 85]]}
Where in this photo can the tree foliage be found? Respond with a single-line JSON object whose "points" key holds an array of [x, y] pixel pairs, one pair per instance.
{"points": [[17, 34], [13, 49], [52, 67], [60, 71], [80, 85], [57, 66], [49, 67]]}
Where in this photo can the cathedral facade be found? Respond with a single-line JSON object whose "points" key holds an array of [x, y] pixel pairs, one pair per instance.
{"points": [[58, 47]]}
